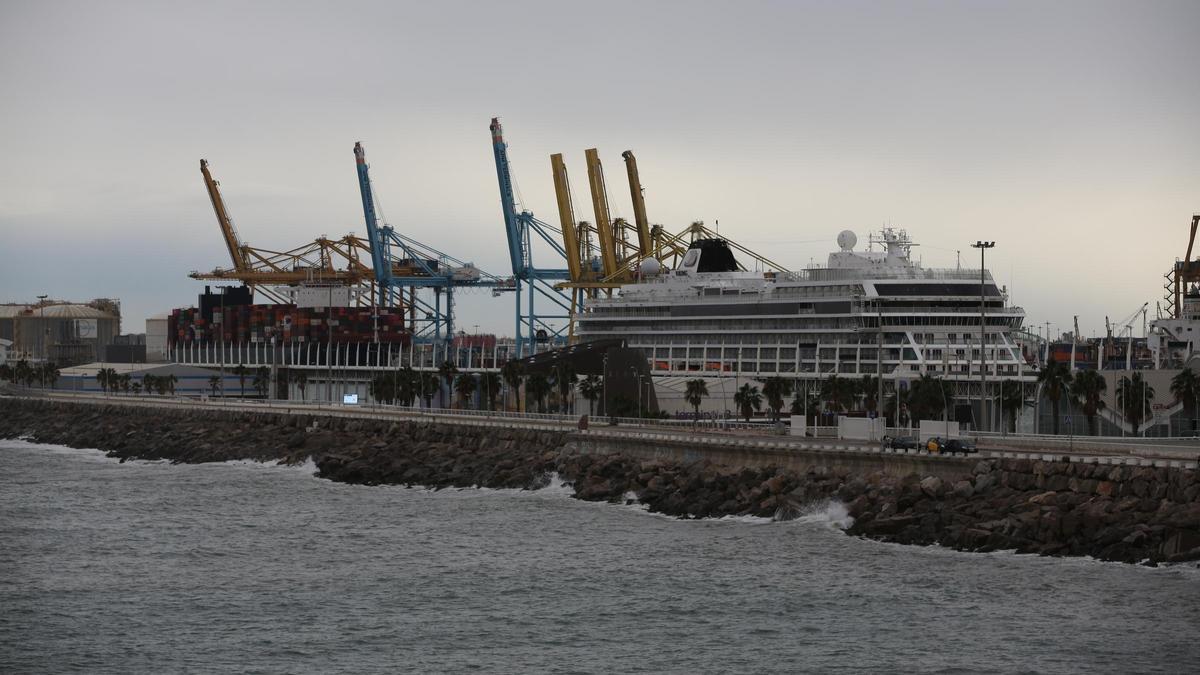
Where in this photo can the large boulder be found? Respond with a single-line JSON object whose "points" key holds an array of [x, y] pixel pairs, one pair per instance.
{"points": [[933, 487]]}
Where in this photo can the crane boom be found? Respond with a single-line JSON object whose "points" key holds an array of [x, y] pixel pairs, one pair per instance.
{"points": [[241, 262], [645, 244], [566, 217], [508, 203], [608, 244], [376, 237]]}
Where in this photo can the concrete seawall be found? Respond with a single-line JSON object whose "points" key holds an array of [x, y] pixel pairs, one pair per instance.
{"points": [[757, 453]]}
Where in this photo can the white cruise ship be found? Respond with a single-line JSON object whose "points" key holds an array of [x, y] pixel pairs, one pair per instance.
{"points": [[710, 318]]}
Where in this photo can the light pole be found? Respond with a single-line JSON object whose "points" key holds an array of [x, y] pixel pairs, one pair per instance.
{"points": [[983, 246], [604, 383], [638, 383], [329, 346], [45, 337]]}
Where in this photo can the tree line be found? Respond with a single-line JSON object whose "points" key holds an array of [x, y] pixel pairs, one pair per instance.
{"points": [[929, 397]]}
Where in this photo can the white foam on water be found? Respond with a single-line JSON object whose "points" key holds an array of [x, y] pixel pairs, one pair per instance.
{"points": [[558, 486], [746, 520], [24, 444], [830, 513], [308, 466]]}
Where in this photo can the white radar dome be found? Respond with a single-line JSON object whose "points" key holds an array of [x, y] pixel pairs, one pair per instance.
{"points": [[650, 267], [847, 240]]}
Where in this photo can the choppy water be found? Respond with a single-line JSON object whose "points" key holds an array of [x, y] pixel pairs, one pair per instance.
{"points": [[149, 567]]}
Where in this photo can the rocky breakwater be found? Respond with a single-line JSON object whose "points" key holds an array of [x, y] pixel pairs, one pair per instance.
{"points": [[365, 451], [1121, 513], [1118, 513]]}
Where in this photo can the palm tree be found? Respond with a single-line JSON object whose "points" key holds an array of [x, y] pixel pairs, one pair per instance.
{"points": [[50, 374], [406, 385], [513, 373], [262, 380], [537, 386], [1185, 387], [897, 406], [1087, 392], [748, 400], [464, 386], [301, 379], [214, 381], [136, 387], [148, 383], [1056, 380], [23, 371], [776, 389], [382, 387], [124, 379], [6, 372], [489, 384], [1012, 397], [697, 389], [430, 383], [241, 371], [839, 391], [591, 388], [808, 403], [564, 381], [106, 377], [171, 379], [447, 371], [926, 397], [869, 387], [1134, 397]]}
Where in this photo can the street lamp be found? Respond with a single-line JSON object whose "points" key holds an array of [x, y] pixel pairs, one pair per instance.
{"points": [[637, 382], [983, 246], [45, 337]]}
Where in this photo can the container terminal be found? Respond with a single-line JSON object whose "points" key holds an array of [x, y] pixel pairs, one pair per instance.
{"points": [[326, 318]]}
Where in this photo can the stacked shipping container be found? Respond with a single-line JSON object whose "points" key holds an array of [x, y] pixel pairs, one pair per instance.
{"points": [[287, 323]]}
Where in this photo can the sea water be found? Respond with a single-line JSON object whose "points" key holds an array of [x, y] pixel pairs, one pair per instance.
{"points": [[241, 567]]}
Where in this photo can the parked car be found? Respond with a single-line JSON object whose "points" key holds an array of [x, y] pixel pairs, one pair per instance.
{"points": [[959, 445], [901, 443]]}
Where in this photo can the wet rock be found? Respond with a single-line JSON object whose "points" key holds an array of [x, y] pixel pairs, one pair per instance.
{"points": [[933, 486]]}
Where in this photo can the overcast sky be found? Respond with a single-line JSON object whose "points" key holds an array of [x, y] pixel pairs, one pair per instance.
{"points": [[1067, 132]]}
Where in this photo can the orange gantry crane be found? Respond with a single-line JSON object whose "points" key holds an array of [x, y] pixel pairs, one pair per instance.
{"points": [[1184, 273], [324, 261]]}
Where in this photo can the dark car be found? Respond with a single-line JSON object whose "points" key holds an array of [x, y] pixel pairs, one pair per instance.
{"points": [[902, 443], [958, 445]]}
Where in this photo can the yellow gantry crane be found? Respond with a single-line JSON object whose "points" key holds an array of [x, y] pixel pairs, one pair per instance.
{"points": [[622, 247], [639, 203]]}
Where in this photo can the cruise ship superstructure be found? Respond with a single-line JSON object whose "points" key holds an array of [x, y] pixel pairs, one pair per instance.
{"points": [[709, 317]]}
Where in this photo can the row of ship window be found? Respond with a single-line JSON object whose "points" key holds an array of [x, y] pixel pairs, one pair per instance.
{"points": [[788, 324], [830, 368]]}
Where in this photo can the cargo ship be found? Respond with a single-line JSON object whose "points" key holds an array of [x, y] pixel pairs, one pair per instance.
{"points": [[231, 318]]}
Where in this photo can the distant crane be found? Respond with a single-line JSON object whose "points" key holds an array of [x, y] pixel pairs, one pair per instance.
{"points": [[266, 271], [531, 324], [1184, 273], [402, 263], [1127, 324]]}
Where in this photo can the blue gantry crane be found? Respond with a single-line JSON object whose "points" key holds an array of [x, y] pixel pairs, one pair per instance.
{"points": [[532, 325], [403, 267]]}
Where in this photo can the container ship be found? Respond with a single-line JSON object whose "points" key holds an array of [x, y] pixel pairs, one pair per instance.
{"points": [[231, 318]]}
